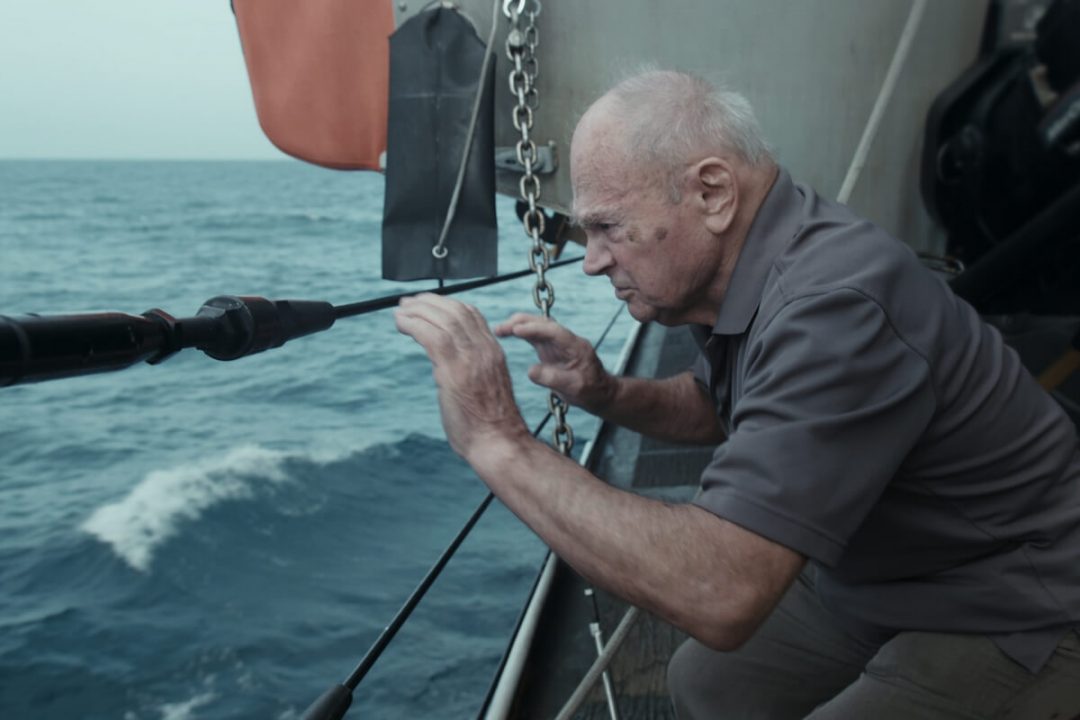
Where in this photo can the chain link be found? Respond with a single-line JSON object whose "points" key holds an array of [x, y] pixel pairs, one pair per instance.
{"points": [[521, 44]]}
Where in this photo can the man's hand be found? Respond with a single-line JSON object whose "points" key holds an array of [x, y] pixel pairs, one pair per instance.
{"points": [[476, 398], [568, 364]]}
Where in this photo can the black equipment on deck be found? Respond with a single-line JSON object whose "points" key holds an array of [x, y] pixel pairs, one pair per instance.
{"points": [[1001, 168]]}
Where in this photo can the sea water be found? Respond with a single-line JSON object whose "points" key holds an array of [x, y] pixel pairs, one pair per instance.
{"points": [[203, 539]]}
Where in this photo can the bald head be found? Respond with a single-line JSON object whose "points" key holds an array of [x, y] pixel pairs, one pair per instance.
{"points": [[656, 123], [600, 149]]}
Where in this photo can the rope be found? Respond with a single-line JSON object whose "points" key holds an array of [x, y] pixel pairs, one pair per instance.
{"points": [[600, 664]]}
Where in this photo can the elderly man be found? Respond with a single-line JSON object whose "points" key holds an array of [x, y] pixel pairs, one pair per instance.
{"points": [[868, 422]]}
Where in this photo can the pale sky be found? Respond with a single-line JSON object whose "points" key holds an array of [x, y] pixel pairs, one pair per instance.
{"points": [[124, 79]]}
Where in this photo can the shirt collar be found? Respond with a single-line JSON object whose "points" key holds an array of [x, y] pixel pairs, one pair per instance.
{"points": [[772, 229]]}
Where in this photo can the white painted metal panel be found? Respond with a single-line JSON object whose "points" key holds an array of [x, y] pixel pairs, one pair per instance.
{"points": [[811, 69]]}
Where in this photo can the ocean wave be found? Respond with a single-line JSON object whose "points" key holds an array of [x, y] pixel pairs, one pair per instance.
{"points": [[136, 525], [184, 710], [164, 501]]}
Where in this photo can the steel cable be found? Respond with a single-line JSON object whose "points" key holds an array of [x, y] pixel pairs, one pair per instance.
{"points": [[388, 301]]}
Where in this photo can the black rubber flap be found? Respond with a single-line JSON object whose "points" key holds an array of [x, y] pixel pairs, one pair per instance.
{"points": [[435, 63]]}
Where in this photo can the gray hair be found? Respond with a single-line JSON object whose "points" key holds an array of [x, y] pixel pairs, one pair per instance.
{"points": [[673, 118]]}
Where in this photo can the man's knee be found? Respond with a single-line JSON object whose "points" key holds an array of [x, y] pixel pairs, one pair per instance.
{"points": [[694, 680]]}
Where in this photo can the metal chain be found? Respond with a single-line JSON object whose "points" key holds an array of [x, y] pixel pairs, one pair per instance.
{"points": [[521, 43]]}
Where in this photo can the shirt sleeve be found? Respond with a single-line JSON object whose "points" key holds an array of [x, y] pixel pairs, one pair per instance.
{"points": [[832, 401]]}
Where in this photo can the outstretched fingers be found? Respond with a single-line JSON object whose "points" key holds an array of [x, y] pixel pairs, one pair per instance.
{"points": [[440, 325], [534, 330], [440, 311], [506, 327], [416, 322]]}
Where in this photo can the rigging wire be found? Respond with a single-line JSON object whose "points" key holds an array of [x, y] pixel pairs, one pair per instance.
{"points": [[388, 633], [388, 301]]}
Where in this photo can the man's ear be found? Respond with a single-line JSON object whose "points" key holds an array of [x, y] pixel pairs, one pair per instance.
{"points": [[717, 192]]}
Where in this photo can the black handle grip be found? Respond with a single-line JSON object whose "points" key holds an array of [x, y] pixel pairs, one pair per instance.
{"points": [[35, 348], [331, 705]]}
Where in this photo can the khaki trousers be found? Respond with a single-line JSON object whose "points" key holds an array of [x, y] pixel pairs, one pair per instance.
{"points": [[801, 664]]}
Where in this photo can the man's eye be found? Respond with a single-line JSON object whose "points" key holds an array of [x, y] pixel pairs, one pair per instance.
{"points": [[604, 227]]}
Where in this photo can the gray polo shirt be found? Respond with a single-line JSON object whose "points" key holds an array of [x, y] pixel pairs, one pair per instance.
{"points": [[879, 427]]}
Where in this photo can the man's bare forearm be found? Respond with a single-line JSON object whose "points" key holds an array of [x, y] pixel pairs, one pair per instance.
{"points": [[703, 574], [676, 409]]}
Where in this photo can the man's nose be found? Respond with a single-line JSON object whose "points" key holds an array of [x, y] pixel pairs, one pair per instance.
{"points": [[597, 257]]}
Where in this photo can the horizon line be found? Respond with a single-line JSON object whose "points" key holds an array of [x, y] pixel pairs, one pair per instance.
{"points": [[53, 158]]}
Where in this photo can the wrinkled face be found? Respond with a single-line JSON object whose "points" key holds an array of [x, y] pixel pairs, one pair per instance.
{"points": [[657, 254]]}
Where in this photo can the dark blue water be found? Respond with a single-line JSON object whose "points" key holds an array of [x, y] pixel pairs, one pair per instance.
{"points": [[224, 540]]}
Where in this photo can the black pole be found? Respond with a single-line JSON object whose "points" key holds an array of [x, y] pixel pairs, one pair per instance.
{"points": [[335, 702], [1005, 264], [34, 348], [389, 301], [414, 599]]}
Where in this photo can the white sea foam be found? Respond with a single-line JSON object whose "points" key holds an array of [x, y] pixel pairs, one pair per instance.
{"points": [[137, 524], [184, 710]]}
